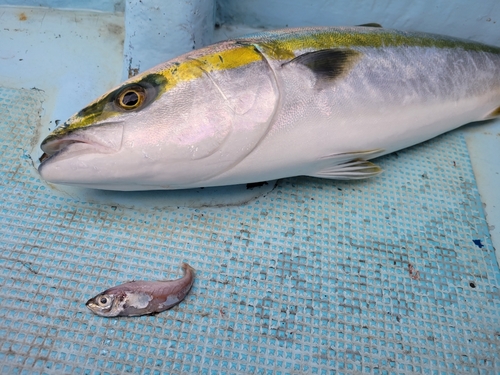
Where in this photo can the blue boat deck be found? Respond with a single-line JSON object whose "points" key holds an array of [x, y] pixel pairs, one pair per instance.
{"points": [[392, 275]]}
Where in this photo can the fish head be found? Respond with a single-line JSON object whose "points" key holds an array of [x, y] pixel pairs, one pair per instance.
{"points": [[107, 304], [173, 126]]}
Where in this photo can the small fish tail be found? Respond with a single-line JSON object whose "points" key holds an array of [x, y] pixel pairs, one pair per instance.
{"points": [[187, 268]]}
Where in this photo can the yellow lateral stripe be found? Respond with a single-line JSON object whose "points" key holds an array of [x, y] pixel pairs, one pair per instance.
{"points": [[191, 68], [282, 45]]}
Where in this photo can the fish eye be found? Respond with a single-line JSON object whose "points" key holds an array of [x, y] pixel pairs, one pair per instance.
{"points": [[131, 98], [103, 301]]}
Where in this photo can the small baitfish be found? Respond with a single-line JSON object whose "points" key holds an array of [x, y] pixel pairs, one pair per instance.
{"points": [[316, 101], [142, 297]]}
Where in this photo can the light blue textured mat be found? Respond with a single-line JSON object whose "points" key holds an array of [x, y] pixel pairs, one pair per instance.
{"points": [[393, 275]]}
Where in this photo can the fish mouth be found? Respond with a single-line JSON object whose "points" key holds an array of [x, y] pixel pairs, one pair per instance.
{"points": [[103, 139]]}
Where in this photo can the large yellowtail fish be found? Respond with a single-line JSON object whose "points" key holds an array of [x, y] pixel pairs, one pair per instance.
{"points": [[311, 101]]}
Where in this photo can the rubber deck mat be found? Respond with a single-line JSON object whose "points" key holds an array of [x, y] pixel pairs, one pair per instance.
{"points": [[393, 275]]}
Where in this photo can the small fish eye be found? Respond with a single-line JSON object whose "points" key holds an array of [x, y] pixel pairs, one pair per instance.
{"points": [[102, 301], [131, 98]]}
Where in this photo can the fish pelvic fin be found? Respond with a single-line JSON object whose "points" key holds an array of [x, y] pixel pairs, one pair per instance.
{"points": [[494, 114], [350, 166], [327, 64], [352, 170]]}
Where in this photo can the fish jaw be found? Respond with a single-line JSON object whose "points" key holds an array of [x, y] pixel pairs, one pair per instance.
{"points": [[67, 155], [138, 298], [106, 136]]}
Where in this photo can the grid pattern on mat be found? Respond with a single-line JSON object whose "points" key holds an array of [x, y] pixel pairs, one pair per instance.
{"points": [[393, 275]]}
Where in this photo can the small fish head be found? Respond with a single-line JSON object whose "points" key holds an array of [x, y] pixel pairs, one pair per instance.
{"points": [[108, 305]]}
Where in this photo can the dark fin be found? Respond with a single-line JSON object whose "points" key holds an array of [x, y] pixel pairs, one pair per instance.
{"points": [[328, 63], [352, 170], [371, 24], [494, 114]]}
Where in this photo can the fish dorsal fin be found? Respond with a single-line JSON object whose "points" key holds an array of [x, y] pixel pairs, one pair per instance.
{"points": [[371, 24], [349, 165], [327, 64]]}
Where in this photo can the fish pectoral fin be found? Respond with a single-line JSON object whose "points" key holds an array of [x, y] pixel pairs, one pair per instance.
{"points": [[371, 24], [327, 64], [350, 165], [352, 170]]}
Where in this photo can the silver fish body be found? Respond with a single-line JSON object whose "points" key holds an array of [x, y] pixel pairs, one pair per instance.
{"points": [[137, 298], [314, 101]]}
